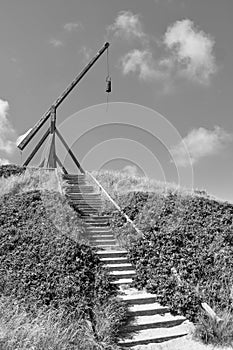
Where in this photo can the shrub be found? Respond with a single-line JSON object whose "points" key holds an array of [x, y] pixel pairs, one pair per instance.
{"points": [[216, 332], [51, 329], [190, 233], [39, 265], [11, 169]]}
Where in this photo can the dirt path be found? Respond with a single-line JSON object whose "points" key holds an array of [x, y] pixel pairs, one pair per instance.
{"points": [[184, 343]]}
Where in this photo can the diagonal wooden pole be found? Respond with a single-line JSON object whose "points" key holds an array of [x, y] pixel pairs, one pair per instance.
{"points": [[40, 143], [50, 161], [69, 151], [61, 165]]}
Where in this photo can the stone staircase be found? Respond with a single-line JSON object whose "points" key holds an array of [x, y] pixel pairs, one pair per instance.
{"points": [[151, 322]]}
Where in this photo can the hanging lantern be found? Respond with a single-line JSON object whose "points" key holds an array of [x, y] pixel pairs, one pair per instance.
{"points": [[109, 85]]}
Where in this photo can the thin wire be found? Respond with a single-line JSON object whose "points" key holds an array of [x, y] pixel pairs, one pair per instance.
{"points": [[107, 79], [107, 63]]}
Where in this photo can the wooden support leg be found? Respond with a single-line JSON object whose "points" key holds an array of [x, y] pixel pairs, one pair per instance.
{"points": [[50, 160], [40, 143], [70, 152], [62, 166]]}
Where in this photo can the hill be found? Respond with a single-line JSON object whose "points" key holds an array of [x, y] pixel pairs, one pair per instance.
{"points": [[54, 291], [184, 253]]}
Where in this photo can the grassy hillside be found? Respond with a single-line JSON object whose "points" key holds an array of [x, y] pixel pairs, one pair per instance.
{"points": [[185, 251], [54, 291]]}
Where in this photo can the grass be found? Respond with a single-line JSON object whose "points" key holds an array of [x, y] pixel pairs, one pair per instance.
{"points": [[214, 331], [188, 212], [31, 179], [50, 329]]}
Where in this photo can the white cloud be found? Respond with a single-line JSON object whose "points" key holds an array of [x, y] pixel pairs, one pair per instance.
{"points": [[56, 43], [131, 170], [199, 143], [192, 49], [6, 130], [86, 53], [4, 161], [143, 63], [73, 26], [184, 52], [127, 25], [21, 137]]}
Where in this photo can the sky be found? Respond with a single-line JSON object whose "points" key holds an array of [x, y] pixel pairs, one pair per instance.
{"points": [[170, 111]]}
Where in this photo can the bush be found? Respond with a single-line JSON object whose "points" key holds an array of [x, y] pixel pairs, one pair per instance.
{"points": [[40, 265], [8, 170], [51, 329], [216, 332], [190, 233]]}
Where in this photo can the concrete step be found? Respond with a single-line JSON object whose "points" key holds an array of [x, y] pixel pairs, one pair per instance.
{"points": [[141, 298], [123, 281], [100, 236], [116, 260], [122, 274], [147, 309], [101, 218], [105, 242], [87, 211], [68, 176], [101, 230], [112, 253], [84, 196], [91, 223], [156, 321], [119, 267], [153, 335], [107, 247], [86, 203], [80, 189]]}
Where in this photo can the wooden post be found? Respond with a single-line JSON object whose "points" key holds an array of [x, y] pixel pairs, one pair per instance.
{"points": [[69, 151], [51, 161]]}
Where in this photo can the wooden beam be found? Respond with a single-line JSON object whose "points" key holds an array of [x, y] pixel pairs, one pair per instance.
{"points": [[70, 152], [61, 166], [61, 98], [210, 312], [40, 143]]}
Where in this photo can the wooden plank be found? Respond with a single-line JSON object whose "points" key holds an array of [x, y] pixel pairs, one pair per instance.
{"points": [[210, 312], [61, 98], [40, 143], [61, 165], [70, 152]]}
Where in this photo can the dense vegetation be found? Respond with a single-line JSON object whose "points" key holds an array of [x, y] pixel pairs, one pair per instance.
{"points": [[11, 169], [185, 251], [47, 269]]}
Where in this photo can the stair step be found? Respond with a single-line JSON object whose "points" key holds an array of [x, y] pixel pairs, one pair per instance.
{"points": [[150, 336], [100, 233], [147, 309], [112, 253], [123, 281], [100, 236], [156, 321], [99, 242], [122, 274], [119, 267], [137, 299], [102, 217], [114, 260], [105, 246]]}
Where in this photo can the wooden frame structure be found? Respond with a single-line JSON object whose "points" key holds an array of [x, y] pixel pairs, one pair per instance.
{"points": [[51, 159]]}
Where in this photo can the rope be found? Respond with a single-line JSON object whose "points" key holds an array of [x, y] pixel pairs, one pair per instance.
{"points": [[107, 64], [107, 78]]}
